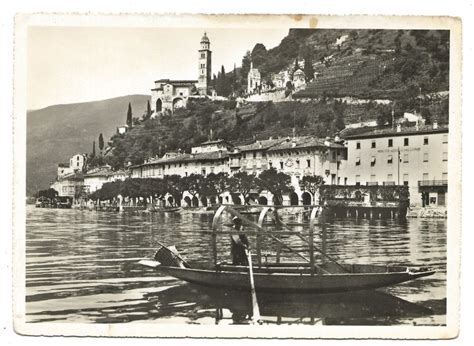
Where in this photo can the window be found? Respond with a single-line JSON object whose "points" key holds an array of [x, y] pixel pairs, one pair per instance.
{"points": [[281, 165], [254, 154], [308, 162], [405, 179], [425, 141], [372, 178], [212, 169], [358, 161], [445, 176], [389, 177], [270, 164], [203, 55], [345, 181], [372, 161], [264, 154], [390, 143], [357, 145], [338, 180], [203, 171], [426, 176], [405, 158], [357, 179], [445, 156], [445, 139], [373, 144], [245, 155], [390, 159], [405, 142], [297, 163], [425, 157], [333, 155]]}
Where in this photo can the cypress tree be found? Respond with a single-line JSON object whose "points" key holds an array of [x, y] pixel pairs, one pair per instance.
{"points": [[101, 142], [93, 148], [308, 67], [129, 115], [148, 110]]}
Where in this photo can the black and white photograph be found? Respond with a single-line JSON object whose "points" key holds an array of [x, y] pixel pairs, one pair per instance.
{"points": [[177, 175]]}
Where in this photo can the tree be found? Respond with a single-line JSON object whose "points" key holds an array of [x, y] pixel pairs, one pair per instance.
{"points": [[49, 193], [216, 184], [148, 110], [129, 116], [312, 183], [175, 187], [244, 183], [308, 67], [277, 183], [259, 55], [93, 148], [101, 143]]}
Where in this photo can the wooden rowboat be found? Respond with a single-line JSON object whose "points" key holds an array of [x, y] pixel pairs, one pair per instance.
{"points": [[293, 277]]}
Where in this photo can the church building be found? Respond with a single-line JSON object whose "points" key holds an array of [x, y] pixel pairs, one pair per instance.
{"points": [[169, 95]]}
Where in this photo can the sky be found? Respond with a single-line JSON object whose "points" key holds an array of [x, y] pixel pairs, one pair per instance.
{"points": [[77, 64]]}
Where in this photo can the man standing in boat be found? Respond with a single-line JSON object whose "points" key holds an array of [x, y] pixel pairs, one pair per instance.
{"points": [[239, 244]]}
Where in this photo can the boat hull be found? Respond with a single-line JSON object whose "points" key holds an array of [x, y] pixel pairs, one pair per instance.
{"points": [[292, 282]]}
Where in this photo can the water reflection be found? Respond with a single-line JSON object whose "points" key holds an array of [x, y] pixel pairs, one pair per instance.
{"points": [[82, 267]]}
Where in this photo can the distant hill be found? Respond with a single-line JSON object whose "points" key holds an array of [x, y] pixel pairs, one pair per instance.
{"points": [[57, 132]]}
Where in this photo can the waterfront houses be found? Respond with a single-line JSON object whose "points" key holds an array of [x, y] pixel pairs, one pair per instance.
{"points": [[209, 157], [416, 156], [95, 178], [69, 185]]}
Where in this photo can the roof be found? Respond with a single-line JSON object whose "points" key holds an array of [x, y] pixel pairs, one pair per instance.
{"points": [[205, 38], [77, 176], [362, 133], [264, 144], [210, 156], [177, 81], [304, 142], [215, 141]]}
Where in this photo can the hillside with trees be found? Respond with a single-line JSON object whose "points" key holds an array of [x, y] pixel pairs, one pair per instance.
{"points": [[410, 60]]}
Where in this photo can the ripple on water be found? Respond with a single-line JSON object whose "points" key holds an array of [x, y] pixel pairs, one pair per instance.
{"points": [[82, 267]]}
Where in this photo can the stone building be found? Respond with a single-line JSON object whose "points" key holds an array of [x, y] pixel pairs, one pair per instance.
{"points": [[168, 95]]}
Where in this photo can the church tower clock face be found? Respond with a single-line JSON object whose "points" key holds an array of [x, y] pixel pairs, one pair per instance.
{"points": [[204, 66]]}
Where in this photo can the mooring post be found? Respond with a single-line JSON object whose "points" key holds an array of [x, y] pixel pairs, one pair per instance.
{"points": [[261, 219], [312, 225], [215, 228]]}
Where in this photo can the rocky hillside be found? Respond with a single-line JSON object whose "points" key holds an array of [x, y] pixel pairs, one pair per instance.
{"points": [[57, 132]]}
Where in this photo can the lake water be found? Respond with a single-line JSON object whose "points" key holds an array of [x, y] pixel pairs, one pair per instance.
{"points": [[81, 266]]}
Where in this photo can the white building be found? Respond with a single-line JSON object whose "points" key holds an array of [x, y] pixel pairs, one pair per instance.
{"points": [[254, 79], [413, 156], [209, 157]]}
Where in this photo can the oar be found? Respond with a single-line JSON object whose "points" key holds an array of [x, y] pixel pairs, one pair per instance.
{"points": [[255, 309]]}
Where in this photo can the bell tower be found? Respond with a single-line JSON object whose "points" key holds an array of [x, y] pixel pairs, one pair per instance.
{"points": [[204, 67]]}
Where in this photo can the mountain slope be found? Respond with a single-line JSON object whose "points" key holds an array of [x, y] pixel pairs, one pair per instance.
{"points": [[57, 132]]}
